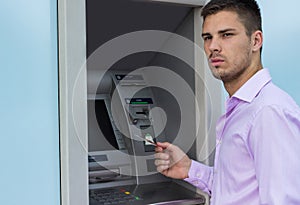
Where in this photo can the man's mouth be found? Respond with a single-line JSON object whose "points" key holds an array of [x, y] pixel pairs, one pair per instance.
{"points": [[216, 62]]}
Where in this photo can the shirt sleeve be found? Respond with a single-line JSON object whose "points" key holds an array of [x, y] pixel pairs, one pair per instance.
{"points": [[274, 142], [201, 176]]}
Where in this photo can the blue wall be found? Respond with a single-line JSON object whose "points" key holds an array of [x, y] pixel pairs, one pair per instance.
{"points": [[281, 44], [29, 153]]}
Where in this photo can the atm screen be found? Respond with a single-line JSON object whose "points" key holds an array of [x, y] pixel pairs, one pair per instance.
{"points": [[101, 136], [139, 101]]}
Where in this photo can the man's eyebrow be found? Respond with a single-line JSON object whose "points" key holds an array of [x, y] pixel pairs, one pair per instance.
{"points": [[219, 32], [226, 30], [205, 34]]}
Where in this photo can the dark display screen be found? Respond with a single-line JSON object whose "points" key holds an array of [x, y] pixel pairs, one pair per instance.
{"points": [[100, 131], [129, 77]]}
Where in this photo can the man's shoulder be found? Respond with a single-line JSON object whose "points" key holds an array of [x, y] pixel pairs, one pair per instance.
{"points": [[273, 96], [272, 101]]}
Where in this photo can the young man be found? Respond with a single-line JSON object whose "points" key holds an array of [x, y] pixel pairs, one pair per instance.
{"points": [[258, 138]]}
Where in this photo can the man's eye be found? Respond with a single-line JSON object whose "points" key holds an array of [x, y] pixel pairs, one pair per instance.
{"points": [[227, 34], [205, 38]]}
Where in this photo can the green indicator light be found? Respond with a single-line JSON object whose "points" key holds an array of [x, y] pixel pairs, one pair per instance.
{"points": [[137, 198], [139, 103]]}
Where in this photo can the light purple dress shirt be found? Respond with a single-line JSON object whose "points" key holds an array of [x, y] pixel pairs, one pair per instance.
{"points": [[257, 159]]}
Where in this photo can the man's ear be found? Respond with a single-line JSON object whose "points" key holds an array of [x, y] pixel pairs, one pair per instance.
{"points": [[257, 40]]}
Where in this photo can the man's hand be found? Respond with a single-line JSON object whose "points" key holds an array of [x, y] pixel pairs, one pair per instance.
{"points": [[171, 161]]}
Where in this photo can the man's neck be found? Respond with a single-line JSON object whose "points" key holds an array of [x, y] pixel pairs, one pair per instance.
{"points": [[232, 86]]}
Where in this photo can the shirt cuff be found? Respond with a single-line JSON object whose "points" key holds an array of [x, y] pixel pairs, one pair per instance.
{"points": [[200, 175]]}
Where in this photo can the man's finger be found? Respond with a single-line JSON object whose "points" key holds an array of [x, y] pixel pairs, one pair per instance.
{"points": [[162, 162], [162, 168], [163, 156]]}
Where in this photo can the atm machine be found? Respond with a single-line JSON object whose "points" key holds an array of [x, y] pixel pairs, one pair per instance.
{"points": [[122, 125], [132, 73]]}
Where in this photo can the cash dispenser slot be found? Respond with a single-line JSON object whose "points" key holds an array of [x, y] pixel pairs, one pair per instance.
{"points": [[139, 114]]}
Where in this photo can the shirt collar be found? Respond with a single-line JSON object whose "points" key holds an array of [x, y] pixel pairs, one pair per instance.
{"points": [[253, 86]]}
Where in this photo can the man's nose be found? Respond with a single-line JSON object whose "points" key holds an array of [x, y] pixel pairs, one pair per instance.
{"points": [[214, 45]]}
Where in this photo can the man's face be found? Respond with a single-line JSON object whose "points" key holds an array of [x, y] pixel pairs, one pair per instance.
{"points": [[226, 45]]}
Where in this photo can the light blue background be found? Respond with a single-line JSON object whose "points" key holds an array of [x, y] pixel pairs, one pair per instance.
{"points": [[29, 154], [281, 54], [29, 139]]}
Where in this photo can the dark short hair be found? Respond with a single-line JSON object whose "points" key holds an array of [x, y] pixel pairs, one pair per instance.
{"points": [[247, 10]]}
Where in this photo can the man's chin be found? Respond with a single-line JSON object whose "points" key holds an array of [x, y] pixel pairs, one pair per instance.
{"points": [[215, 72]]}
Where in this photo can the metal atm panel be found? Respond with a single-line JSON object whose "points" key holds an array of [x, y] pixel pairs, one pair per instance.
{"points": [[129, 111]]}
